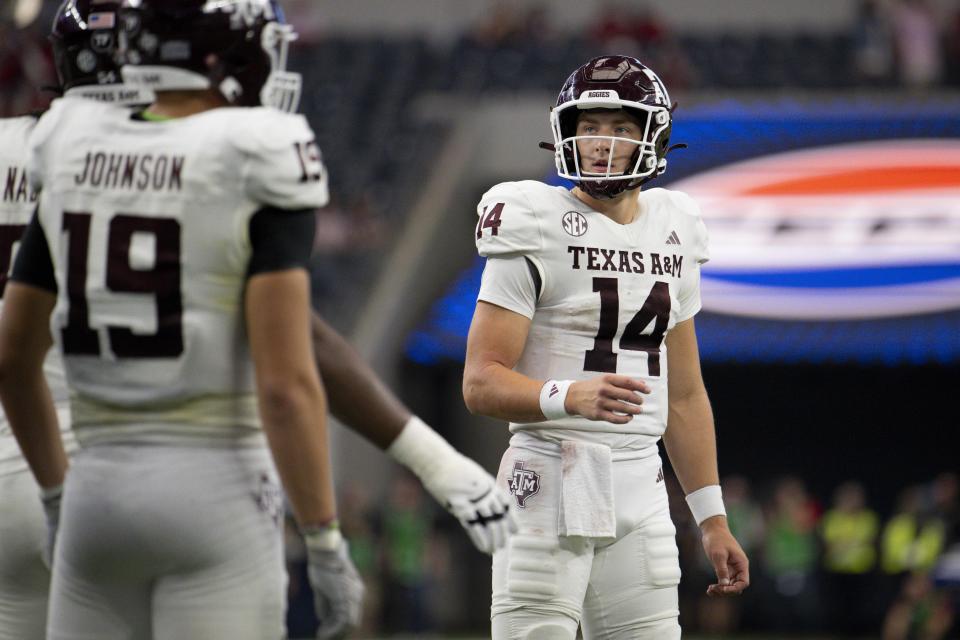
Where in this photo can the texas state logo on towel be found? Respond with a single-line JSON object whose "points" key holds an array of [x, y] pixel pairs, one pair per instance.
{"points": [[851, 231]]}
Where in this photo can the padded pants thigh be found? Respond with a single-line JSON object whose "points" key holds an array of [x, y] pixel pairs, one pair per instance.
{"points": [[539, 584], [633, 587], [539, 579]]}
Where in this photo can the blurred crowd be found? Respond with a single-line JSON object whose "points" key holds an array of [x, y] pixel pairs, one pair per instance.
{"points": [[27, 76], [909, 43], [838, 567], [841, 567]]}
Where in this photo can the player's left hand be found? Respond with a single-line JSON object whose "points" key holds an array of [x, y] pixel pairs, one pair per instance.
{"points": [[473, 497], [727, 558], [337, 587]]}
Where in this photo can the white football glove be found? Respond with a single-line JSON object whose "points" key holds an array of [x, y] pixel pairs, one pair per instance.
{"points": [[337, 587], [458, 483], [473, 497]]}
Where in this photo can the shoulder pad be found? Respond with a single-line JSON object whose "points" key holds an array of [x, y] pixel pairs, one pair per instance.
{"points": [[40, 137], [259, 129], [507, 222], [283, 164]]}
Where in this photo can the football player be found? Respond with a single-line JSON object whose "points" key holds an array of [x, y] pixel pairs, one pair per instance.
{"points": [[358, 398], [86, 69], [170, 249], [586, 305], [24, 576]]}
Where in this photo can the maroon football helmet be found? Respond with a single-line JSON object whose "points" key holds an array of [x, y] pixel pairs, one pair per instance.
{"points": [[238, 47], [613, 82]]}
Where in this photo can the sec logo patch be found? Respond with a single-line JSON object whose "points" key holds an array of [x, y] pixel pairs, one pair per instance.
{"points": [[574, 223]]}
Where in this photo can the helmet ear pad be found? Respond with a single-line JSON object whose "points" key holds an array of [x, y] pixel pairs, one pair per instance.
{"points": [[250, 67], [230, 72]]}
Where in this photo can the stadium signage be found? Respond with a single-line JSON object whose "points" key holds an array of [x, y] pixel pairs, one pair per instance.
{"points": [[862, 230]]}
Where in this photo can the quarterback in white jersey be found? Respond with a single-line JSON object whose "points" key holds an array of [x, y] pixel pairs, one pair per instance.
{"points": [[169, 255], [583, 340]]}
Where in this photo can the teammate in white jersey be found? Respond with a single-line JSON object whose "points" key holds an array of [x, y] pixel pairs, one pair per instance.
{"points": [[169, 257], [24, 573], [358, 398], [586, 305]]}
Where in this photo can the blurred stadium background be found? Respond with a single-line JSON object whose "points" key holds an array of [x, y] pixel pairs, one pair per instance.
{"points": [[824, 146]]}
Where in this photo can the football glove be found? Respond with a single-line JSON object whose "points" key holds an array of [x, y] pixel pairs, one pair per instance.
{"points": [[458, 483], [337, 587], [473, 497]]}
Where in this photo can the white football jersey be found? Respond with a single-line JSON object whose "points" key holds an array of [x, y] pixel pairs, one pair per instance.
{"points": [[17, 205], [608, 293], [148, 227]]}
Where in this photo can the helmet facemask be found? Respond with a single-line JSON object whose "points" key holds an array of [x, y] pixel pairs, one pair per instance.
{"points": [[646, 161], [282, 88]]}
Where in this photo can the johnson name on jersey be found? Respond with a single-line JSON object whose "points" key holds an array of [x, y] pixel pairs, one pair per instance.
{"points": [[16, 207], [148, 226], [601, 296]]}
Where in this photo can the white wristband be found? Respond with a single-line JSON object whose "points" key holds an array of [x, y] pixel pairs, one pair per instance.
{"points": [[327, 538], [706, 502], [553, 395], [51, 493], [421, 449]]}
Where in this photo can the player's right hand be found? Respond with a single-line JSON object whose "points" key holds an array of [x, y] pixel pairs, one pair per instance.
{"points": [[337, 587], [51, 510], [609, 397]]}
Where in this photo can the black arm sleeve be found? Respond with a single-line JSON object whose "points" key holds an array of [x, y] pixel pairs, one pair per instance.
{"points": [[34, 265], [281, 239]]}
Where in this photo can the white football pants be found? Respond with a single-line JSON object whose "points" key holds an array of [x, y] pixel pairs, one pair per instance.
{"points": [[545, 585], [24, 578], [168, 543]]}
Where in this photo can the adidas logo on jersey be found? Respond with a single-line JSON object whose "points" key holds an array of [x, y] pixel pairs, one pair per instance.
{"points": [[674, 238], [659, 476]]}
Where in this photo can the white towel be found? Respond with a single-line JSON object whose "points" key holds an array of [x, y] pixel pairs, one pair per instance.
{"points": [[586, 491]]}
